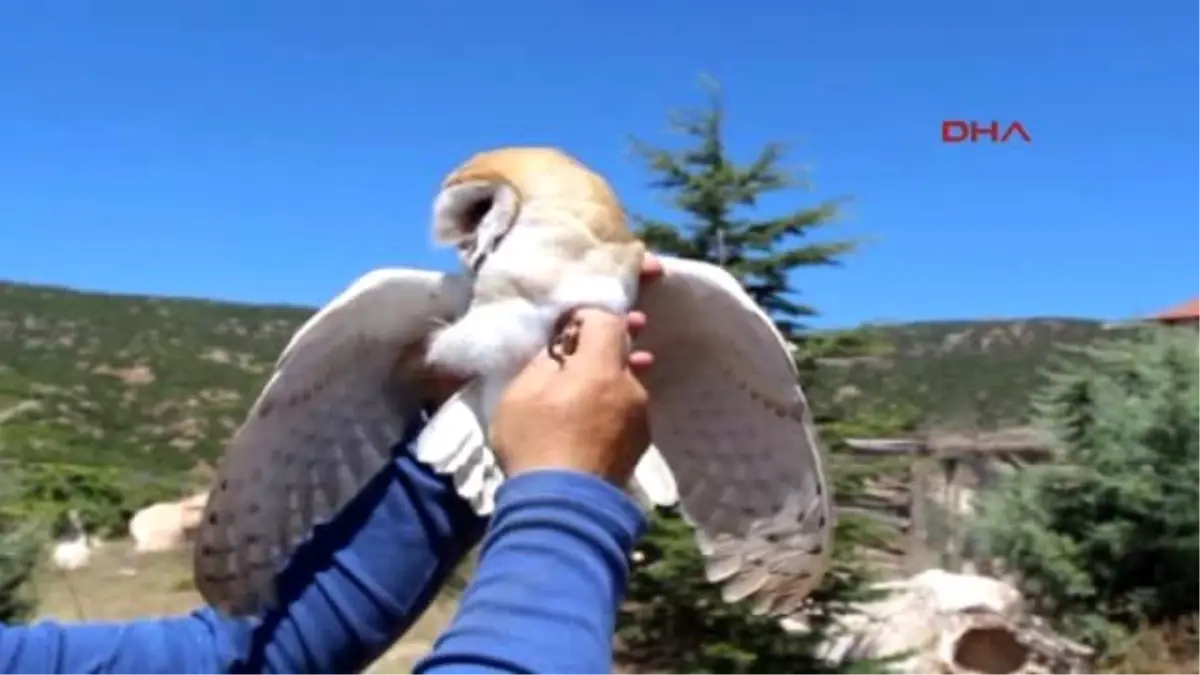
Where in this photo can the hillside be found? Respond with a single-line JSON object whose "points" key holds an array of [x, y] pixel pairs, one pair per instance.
{"points": [[958, 374], [157, 384], [151, 383]]}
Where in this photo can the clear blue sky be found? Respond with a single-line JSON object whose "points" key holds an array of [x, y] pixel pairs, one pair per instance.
{"points": [[274, 150]]}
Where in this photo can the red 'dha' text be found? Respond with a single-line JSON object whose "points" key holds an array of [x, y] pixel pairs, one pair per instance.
{"points": [[967, 131]]}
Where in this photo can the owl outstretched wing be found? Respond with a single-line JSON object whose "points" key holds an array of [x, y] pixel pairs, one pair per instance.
{"points": [[729, 417], [339, 399]]}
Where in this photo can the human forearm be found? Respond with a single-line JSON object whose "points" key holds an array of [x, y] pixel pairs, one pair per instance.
{"points": [[382, 562], [552, 572], [197, 643], [357, 584]]}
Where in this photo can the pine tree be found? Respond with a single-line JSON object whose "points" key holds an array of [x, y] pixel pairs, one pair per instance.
{"points": [[660, 625], [710, 188], [718, 198]]}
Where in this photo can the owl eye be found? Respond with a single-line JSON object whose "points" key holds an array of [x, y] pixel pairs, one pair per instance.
{"points": [[473, 215]]}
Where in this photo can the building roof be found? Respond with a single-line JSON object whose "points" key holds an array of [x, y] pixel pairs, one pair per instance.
{"points": [[1188, 311]]}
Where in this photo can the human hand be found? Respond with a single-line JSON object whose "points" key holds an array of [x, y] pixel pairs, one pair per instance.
{"points": [[586, 413], [440, 386]]}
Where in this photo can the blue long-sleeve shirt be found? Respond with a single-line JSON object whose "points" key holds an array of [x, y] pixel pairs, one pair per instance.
{"points": [[552, 570]]}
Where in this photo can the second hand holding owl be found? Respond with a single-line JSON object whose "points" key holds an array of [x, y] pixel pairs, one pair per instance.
{"points": [[586, 414], [443, 385]]}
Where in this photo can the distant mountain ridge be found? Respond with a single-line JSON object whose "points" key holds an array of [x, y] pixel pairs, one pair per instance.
{"points": [[160, 383], [961, 374]]}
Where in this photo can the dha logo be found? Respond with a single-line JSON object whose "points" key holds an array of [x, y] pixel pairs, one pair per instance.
{"points": [[964, 131]]}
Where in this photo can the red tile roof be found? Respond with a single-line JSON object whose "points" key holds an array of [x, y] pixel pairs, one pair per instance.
{"points": [[1188, 311]]}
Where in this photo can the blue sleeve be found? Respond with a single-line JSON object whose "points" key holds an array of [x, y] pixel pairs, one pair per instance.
{"points": [[552, 572], [348, 594]]}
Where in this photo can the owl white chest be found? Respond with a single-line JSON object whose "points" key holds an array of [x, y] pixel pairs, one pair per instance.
{"points": [[520, 293]]}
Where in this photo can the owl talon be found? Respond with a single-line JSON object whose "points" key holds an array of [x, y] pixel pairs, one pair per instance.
{"points": [[570, 340], [554, 349], [564, 343]]}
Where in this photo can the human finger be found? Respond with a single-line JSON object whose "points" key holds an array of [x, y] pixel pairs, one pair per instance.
{"points": [[640, 360], [635, 321], [652, 267]]}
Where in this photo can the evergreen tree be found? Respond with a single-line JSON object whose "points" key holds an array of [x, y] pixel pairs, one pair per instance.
{"points": [[673, 619], [1106, 538], [706, 185], [719, 199]]}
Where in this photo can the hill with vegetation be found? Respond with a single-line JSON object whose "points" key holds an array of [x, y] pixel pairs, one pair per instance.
{"points": [[135, 381], [158, 384], [960, 375]]}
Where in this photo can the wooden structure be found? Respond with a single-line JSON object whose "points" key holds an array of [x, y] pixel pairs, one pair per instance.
{"points": [[931, 504]]}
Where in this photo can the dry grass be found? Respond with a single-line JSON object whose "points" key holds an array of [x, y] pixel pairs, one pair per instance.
{"points": [[119, 586], [1169, 648]]}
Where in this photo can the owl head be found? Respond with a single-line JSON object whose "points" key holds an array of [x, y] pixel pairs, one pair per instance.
{"points": [[498, 190]]}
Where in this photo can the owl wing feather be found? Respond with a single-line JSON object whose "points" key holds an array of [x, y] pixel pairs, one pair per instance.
{"points": [[729, 417], [454, 443], [324, 424]]}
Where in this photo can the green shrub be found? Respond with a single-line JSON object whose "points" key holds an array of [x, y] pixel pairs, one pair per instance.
{"points": [[1106, 539], [21, 543], [105, 498]]}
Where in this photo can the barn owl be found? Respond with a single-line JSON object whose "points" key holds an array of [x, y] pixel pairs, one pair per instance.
{"points": [[538, 234]]}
